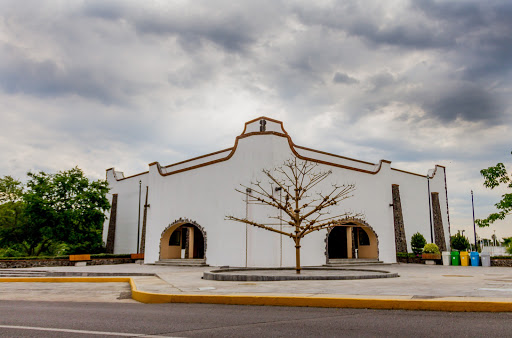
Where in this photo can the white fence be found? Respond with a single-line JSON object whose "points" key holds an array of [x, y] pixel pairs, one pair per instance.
{"points": [[495, 250]]}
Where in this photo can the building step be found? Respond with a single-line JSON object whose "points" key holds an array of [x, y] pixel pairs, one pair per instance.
{"points": [[22, 273], [182, 262], [335, 262]]}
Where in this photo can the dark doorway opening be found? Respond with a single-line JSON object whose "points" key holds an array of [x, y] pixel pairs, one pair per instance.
{"points": [[198, 244], [337, 243]]}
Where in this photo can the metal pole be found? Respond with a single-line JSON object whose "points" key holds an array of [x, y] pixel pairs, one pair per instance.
{"points": [[138, 219], [474, 226], [430, 210], [280, 227], [247, 192]]}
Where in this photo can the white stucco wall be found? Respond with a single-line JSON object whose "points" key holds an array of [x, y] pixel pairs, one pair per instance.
{"points": [[206, 195]]}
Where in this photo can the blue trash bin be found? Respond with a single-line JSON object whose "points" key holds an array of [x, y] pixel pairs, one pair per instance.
{"points": [[475, 259]]}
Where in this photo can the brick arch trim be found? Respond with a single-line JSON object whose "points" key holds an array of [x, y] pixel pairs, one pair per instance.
{"points": [[359, 222], [177, 223]]}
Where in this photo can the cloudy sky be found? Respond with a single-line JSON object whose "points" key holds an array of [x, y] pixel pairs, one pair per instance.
{"points": [[103, 84]]}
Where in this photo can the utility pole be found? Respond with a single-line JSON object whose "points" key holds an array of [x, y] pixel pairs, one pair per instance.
{"points": [[430, 209], [474, 226], [138, 219], [247, 192]]}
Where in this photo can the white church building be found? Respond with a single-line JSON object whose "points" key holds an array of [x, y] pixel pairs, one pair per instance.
{"points": [[179, 211]]}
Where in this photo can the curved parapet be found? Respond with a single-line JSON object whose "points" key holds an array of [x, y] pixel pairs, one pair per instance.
{"points": [[119, 175], [267, 126]]}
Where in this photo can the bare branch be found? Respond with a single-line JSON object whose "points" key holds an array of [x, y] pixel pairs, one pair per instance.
{"points": [[341, 219], [258, 225]]}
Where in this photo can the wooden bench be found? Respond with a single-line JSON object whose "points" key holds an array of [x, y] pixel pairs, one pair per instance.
{"points": [[80, 260], [137, 256]]}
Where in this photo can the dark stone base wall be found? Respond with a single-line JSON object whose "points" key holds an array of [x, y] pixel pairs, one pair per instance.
{"points": [[398, 220], [4, 264], [415, 260], [438, 222], [494, 261], [501, 262]]}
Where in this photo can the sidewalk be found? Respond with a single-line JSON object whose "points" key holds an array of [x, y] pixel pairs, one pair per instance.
{"points": [[416, 283]]}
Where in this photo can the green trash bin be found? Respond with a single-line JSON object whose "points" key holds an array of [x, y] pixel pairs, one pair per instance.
{"points": [[455, 258]]}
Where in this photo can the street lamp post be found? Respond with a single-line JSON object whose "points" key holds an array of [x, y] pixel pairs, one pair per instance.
{"points": [[430, 209], [474, 226]]}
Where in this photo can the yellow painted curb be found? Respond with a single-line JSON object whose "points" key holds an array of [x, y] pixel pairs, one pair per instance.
{"points": [[66, 279], [335, 302]]}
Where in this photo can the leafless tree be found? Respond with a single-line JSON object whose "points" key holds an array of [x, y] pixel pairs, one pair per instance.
{"points": [[303, 208]]}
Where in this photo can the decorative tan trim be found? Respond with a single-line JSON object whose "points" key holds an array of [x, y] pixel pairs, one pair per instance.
{"points": [[197, 158], [292, 148], [334, 155], [408, 172], [124, 178], [425, 176], [264, 118]]}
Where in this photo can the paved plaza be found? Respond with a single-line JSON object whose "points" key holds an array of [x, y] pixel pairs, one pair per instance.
{"points": [[415, 281]]}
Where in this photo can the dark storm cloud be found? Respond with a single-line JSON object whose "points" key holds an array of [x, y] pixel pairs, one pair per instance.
{"points": [[344, 78], [484, 33], [21, 74], [362, 20], [467, 103], [231, 27]]}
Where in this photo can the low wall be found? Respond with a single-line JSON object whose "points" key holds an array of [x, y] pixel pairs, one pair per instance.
{"points": [[501, 262], [415, 260], [494, 261], [8, 264]]}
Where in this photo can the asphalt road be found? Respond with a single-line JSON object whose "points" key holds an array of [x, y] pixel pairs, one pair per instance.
{"points": [[74, 319]]}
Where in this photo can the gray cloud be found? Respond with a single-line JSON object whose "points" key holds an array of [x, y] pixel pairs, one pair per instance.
{"points": [[467, 103], [45, 78], [343, 78], [232, 27]]}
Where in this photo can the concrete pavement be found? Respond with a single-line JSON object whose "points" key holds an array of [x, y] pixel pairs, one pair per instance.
{"points": [[418, 287]]}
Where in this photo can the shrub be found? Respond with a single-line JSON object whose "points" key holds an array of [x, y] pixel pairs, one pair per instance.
{"points": [[502, 257], [417, 243], [405, 255], [431, 248], [509, 249], [459, 242]]}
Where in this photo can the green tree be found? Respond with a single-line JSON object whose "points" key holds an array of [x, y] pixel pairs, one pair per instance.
{"points": [[459, 242], [11, 210], [417, 243], [65, 207], [507, 241], [495, 176]]}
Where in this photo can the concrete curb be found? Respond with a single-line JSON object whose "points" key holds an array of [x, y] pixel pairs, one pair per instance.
{"points": [[277, 300], [231, 274]]}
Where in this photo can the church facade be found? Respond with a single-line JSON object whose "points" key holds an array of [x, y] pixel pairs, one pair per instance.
{"points": [[179, 211]]}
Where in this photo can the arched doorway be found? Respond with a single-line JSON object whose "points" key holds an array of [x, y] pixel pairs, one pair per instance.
{"points": [[352, 239], [183, 239]]}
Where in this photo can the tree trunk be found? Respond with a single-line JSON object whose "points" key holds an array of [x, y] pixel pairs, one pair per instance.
{"points": [[297, 255]]}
